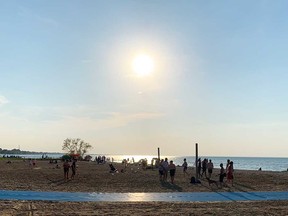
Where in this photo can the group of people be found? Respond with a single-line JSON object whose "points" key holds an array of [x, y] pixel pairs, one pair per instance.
{"points": [[66, 168], [204, 169], [204, 166], [101, 159], [228, 172], [164, 168]]}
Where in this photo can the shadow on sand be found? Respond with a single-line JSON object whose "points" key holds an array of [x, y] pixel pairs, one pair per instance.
{"points": [[170, 186], [240, 187], [59, 181]]}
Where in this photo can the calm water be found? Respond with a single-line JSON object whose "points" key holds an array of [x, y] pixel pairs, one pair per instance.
{"points": [[245, 163]]}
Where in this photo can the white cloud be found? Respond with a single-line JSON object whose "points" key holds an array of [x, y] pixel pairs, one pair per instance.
{"points": [[106, 121], [3, 100], [124, 119], [51, 125], [72, 117]]}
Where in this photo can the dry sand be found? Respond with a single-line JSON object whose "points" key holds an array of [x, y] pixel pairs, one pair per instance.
{"points": [[96, 178]]}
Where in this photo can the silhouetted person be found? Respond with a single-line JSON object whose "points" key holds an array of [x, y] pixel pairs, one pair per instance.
{"points": [[172, 170], [222, 175], [66, 167], [210, 167], [204, 167], [73, 168], [185, 167], [199, 164]]}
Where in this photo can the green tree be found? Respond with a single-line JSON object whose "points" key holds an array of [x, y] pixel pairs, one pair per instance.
{"points": [[76, 146]]}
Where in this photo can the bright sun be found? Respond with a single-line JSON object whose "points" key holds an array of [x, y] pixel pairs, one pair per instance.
{"points": [[143, 65]]}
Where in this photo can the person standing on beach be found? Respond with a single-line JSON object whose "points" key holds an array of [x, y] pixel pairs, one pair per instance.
{"points": [[204, 167], [199, 163], [172, 170], [165, 168], [227, 165], [210, 167], [185, 167], [222, 174], [66, 167], [161, 170], [73, 168], [230, 173]]}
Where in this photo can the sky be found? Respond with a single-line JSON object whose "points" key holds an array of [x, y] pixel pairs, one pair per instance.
{"points": [[219, 79]]}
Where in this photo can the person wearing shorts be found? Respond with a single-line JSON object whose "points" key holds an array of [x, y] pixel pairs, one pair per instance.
{"points": [[210, 167], [66, 167], [172, 170], [185, 167], [165, 166]]}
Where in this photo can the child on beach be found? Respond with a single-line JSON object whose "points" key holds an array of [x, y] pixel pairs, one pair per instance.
{"points": [[172, 170], [66, 167]]}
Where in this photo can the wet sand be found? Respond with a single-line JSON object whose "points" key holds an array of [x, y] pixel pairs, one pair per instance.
{"points": [[96, 178]]}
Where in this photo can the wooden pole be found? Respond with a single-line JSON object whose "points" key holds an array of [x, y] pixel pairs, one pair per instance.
{"points": [[158, 153], [196, 160]]}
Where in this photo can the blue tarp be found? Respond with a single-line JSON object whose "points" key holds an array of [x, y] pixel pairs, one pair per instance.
{"points": [[145, 197]]}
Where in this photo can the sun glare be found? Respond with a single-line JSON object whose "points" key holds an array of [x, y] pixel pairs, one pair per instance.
{"points": [[143, 65]]}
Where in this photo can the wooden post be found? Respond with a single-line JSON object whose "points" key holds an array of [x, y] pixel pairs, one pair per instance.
{"points": [[196, 160], [158, 153]]}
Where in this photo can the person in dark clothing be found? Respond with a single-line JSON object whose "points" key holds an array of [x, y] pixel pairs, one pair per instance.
{"points": [[66, 167], [204, 167], [112, 168], [73, 168], [172, 170], [199, 167], [222, 175]]}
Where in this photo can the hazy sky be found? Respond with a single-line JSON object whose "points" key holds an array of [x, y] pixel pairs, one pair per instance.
{"points": [[220, 76]]}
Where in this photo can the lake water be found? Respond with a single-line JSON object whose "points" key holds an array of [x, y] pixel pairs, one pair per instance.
{"points": [[244, 163]]}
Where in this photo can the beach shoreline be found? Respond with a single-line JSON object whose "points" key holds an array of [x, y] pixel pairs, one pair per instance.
{"points": [[243, 163]]}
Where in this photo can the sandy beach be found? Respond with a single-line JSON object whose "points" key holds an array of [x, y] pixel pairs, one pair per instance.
{"points": [[19, 175]]}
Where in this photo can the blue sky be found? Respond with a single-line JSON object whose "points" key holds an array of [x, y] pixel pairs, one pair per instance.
{"points": [[220, 76]]}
